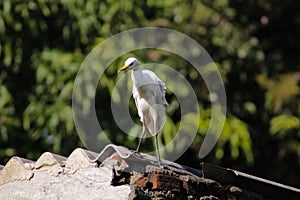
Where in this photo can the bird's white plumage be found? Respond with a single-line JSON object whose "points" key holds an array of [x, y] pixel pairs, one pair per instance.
{"points": [[149, 95]]}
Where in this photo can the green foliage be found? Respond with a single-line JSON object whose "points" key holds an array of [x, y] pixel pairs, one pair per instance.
{"points": [[286, 128], [277, 93], [49, 113], [235, 133], [282, 124], [43, 43], [7, 113]]}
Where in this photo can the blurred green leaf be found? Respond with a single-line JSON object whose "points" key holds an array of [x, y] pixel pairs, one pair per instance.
{"points": [[280, 90], [236, 133], [282, 124]]}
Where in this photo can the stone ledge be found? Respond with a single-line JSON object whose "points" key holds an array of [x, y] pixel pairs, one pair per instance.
{"points": [[118, 173]]}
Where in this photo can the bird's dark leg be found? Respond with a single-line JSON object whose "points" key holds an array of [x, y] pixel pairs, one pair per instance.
{"points": [[141, 138], [157, 151]]}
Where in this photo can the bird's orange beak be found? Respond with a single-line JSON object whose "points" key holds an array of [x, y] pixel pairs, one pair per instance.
{"points": [[123, 68]]}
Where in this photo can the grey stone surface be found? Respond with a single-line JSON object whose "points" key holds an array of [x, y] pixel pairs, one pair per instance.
{"points": [[117, 173], [85, 183]]}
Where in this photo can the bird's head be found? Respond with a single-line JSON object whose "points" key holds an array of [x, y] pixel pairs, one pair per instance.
{"points": [[130, 63]]}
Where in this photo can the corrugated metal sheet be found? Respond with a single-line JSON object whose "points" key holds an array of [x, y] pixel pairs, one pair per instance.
{"points": [[268, 189]]}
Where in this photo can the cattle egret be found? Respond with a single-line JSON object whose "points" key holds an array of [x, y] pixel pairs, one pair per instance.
{"points": [[149, 95]]}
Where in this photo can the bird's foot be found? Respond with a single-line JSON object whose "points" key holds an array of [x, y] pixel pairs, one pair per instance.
{"points": [[162, 166], [136, 153]]}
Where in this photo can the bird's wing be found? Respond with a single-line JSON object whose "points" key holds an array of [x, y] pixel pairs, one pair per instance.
{"points": [[135, 97], [163, 88], [161, 84]]}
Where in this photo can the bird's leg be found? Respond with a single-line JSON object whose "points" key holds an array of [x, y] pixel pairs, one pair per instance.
{"points": [[157, 151], [141, 138]]}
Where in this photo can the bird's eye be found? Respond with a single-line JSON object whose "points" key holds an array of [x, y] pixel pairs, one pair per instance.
{"points": [[130, 64]]}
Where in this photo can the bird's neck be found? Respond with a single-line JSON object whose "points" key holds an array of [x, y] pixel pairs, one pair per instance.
{"points": [[137, 75], [136, 71]]}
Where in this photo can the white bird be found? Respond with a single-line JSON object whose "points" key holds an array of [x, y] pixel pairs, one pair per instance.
{"points": [[149, 95]]}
